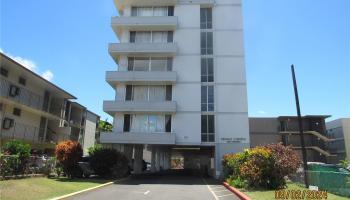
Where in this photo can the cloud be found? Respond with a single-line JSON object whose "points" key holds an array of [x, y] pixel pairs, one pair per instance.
{"points": [[31, 65], [48, 75], [261, 112]]}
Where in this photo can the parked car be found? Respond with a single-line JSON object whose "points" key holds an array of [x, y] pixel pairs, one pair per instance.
{"points": [[84, 165]]}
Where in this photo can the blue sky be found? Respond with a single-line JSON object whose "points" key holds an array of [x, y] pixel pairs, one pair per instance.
{"points": [[67, 41]]}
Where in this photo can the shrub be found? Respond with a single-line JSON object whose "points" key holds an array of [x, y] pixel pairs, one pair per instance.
{"points": [[8, 165], [22, 151], [94, 148], [285, 162], [108, 162], [261, 167], [69, 153]]}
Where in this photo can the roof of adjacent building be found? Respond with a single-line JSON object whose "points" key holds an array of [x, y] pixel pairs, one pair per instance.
{"points": [[49, 86]]}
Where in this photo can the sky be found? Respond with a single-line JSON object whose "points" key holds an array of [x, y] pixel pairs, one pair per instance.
{"points": [[66, 42]]}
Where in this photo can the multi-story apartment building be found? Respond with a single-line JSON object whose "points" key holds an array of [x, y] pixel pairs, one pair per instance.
{"points": [[39, 112], [285, 129], [180, 84], [339, 129]]}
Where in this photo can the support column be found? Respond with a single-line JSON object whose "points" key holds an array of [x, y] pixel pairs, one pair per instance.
{"points": [[153, 159], [138, 156], [128, 151], [158, 159]]}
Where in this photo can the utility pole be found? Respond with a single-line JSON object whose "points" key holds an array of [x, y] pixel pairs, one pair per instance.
{"points": [[302, 141]]}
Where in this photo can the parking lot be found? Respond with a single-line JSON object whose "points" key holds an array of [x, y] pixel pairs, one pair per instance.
{"points": [[160, 187]]}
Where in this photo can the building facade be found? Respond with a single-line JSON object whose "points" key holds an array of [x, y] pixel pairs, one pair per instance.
{"points": [[36, 111], [285, 129], [180, 84], [339, 129]]}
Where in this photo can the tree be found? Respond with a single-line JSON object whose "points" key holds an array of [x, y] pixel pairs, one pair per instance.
{"points": [[105, 126]]}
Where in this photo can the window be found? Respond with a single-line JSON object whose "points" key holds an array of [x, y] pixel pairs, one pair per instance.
{"points": [[128, 93], [4, 72], [150, 64], [14, 91], [151, 36], [22, 81], [126, 127], [207, 98], [208, 128], [168, 123], [17, 112], [206, 18], [168, 91], [148, 93], [207, 71], [7, 123], [149, 123], [152, 11], [206, 43]]}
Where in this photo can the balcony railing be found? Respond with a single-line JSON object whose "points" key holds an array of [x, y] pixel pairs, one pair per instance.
{"points": [[141, 77], [138, 138], [154, 23], [161, 49], [23, 131], [112, 107], [24, 96]]}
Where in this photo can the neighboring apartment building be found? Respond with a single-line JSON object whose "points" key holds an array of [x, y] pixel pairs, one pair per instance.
{"points": [[180, 84], [36, 111], [285, 129], [339, 130]]}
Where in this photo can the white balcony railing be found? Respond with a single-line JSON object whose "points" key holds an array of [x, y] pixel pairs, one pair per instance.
{"points": [[141, 77], [153, 23], [112, 107], [161, 49], [138, 138]]}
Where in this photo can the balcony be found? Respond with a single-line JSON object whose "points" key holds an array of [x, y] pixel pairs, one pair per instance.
{"points": [[145, 49], [155, 23], [137, 138], [23, 96], [120, 4], [112, 107], [33, 102], [141, 77], [23, 132]]}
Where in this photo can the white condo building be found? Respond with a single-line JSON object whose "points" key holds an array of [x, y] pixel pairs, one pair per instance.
{"points": [[180, 83]]}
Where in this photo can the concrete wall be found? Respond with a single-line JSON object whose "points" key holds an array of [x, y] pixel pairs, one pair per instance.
{"points": [[90, 131]]}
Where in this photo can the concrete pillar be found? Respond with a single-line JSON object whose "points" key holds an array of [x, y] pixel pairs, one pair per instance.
{"points": [[128, 151], [138, 159], [166, 160], [153, 159], [158, 159]]}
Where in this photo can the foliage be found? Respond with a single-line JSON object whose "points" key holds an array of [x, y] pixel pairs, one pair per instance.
{"points": [[108, 162], [69, 153], [94, 148], [8, 165], [261, 167], [345, 163], [105, 126], [22, 151], [236, 182]]}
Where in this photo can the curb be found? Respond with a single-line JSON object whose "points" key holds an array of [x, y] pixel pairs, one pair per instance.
{"points": [[88, 189], [240, 194]]}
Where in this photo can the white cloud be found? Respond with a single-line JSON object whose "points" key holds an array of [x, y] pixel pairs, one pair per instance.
{"points": [[261, 112], [31, 65], [48, 75]]}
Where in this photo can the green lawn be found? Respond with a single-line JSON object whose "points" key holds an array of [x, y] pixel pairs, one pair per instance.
{"points": [[270, 194], [43, 188]]}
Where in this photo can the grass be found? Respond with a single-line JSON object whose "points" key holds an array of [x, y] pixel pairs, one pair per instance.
{"points": [[270, 194], [43, 188]]}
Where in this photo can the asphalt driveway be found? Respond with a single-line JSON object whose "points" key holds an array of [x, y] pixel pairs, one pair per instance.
{"points": [[160, 187]]}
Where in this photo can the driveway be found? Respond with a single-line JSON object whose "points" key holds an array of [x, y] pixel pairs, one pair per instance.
{"points": [[160, 187]]}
